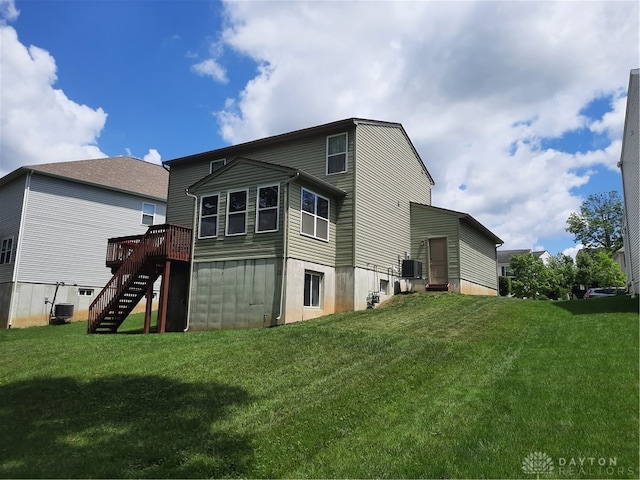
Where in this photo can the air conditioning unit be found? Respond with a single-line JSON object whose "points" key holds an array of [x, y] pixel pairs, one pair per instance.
{"points": [[411, 269]]}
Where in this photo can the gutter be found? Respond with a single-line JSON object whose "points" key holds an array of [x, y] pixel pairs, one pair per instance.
{"points": [[285, 246], [193, 249]]}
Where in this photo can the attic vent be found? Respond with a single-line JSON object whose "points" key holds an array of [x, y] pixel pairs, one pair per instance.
{"points": [[411, 269]]}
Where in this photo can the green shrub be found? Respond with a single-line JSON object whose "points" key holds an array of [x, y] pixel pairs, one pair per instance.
{"points": [[504, 286]]}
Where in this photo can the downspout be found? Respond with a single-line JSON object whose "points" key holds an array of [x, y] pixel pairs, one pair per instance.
{"points": [[285, 246], [193, 249], [16, 258]]}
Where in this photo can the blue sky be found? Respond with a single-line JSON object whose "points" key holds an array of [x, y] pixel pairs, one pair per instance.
{"points": [[516, 108]]}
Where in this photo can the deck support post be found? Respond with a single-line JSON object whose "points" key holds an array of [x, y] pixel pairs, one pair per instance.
{"points": [[149, 306], [164, 297]]}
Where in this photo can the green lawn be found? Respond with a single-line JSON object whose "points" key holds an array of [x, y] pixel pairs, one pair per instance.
{"points": [[427, 386]]}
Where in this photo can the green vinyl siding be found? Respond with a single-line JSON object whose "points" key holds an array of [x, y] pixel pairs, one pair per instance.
{"points": [[478, 257], [250, 245], [389, 176], [302, 247], [179, 205], [427, 223]]}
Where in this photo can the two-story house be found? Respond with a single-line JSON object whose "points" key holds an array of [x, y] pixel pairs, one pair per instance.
{"points": [[54, 224], [313, 222]]}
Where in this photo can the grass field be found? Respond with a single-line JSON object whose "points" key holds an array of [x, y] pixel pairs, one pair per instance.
{"points": [[427, 386]]}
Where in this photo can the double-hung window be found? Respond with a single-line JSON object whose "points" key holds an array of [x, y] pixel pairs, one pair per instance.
{"points": [[217, 164], [148, 213], [312, 288], [209, 216], [267, 208], [6, 249], [337, 154], [237, 212], [315, 215]]}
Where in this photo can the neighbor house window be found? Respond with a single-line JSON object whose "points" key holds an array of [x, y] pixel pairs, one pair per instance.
{"points": [[312, 288], [209, 216], [217, 164], [237, 212], [148, 213], [6, 249], [267, 208], [315, 215], [337, 153]]}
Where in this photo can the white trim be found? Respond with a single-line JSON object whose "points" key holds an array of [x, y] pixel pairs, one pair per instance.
{"points": [[320, 277], [346, 153], [245, 212], [315, 216], [258, 209], [217, 215], [152, 215], [223, 160]]}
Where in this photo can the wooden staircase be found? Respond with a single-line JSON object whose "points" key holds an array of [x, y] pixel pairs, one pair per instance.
{"points": [[137, 261]]}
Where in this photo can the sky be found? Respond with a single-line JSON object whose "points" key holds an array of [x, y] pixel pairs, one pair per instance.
{"points": [[516, 108]]}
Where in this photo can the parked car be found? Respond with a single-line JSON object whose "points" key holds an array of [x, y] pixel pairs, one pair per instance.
{"points": [[604, 292]]}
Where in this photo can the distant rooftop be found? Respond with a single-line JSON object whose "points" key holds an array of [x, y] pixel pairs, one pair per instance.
{"points": [[118, 173]]}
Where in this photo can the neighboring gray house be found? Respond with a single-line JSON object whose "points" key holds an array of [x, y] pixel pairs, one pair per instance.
{"points": [[313, 222], [504, 259], [629, 166], [54, 224]]}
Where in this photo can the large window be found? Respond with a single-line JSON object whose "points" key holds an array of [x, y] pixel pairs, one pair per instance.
{"points": [[237, 212], [148, 213], [217, 164], [312, 289], [337, 153], [6, 249], [209, 216], [315, 215], [267, 208]]}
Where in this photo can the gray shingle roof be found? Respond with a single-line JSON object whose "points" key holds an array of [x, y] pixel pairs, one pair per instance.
{"points": [[118, 173]]}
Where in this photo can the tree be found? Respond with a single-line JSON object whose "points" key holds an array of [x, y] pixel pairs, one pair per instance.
{"points": [[562, 276], [530, 276], [599, 223], [597, 269]]}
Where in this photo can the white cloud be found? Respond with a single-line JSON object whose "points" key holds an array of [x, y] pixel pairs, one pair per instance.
{"points": [[478, 86], [39, 123], [210, 68], [8, 11], [573, 251], [153, 157]]}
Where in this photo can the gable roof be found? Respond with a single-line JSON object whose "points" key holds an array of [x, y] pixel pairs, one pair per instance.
{"points": [[504, 256], [125, 174], [324, 129], [465, 217], [289, 171]]}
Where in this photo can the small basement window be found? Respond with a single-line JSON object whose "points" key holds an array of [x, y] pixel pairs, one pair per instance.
{"points": [[85, 292], [312, 288]]}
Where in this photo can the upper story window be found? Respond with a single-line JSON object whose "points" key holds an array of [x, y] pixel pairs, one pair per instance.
{"points": [[267, 208], [209, 216], [337, 154], [315, 215], [217, 164], [6, 249], [237, 212], [148, 213]]}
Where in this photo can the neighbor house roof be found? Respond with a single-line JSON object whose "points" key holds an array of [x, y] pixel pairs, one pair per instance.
{"points": [[124, 174], [324, 129], [465, 217], [291, 172], [504, 256]]}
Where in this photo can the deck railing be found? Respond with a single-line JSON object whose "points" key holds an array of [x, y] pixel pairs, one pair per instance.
{"points": [[177, 244]]}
